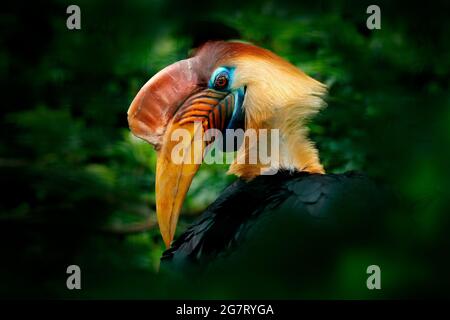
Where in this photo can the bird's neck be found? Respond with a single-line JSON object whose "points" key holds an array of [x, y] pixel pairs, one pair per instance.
{"points": [[286, 105], [291, 151]]}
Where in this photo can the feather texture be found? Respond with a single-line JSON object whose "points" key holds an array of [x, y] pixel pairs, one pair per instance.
{"points": [[250, 211]]}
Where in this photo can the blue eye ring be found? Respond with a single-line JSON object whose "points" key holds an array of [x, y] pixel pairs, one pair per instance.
{"points": [[221, 81], [222, 78]]}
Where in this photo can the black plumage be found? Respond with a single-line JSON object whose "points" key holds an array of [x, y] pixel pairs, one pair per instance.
{"points": [[287, 217]]}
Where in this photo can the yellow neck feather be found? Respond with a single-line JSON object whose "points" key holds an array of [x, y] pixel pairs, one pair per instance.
{"points": [[279, 96]]}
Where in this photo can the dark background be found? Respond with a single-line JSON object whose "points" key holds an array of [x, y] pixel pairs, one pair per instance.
{"points": [[77, 188]]}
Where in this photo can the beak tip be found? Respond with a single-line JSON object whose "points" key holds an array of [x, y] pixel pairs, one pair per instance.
{"points": [[167, 240]]}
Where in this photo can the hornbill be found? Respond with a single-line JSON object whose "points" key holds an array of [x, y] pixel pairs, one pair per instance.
{"points": [[235, 85]]}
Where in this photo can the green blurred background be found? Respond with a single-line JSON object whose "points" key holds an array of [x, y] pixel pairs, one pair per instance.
{"points": [[78, 188]]}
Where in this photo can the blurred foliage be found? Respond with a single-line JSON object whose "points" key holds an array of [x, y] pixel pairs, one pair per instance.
{"points": [[79, 189]]}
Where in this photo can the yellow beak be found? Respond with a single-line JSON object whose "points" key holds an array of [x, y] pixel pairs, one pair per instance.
{"points": [[178, 160], [176, 131]]}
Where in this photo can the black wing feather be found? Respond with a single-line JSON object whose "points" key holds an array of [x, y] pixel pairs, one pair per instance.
{"points": [[275, 207]]}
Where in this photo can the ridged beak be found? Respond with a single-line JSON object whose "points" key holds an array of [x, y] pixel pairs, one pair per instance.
{"points": [[174, 118]]}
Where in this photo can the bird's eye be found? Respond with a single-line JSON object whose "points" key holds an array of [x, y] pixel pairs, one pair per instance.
{"points": [[221, 81]]}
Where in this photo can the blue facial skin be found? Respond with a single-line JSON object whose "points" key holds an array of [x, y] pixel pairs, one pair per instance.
{"points": [[237, 120], [238, 117]]}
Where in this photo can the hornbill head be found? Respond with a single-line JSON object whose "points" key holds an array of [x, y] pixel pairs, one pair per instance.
{"points": [[222, 85]]}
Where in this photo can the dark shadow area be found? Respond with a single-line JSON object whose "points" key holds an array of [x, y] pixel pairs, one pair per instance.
{"points": [[77, 188]]}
